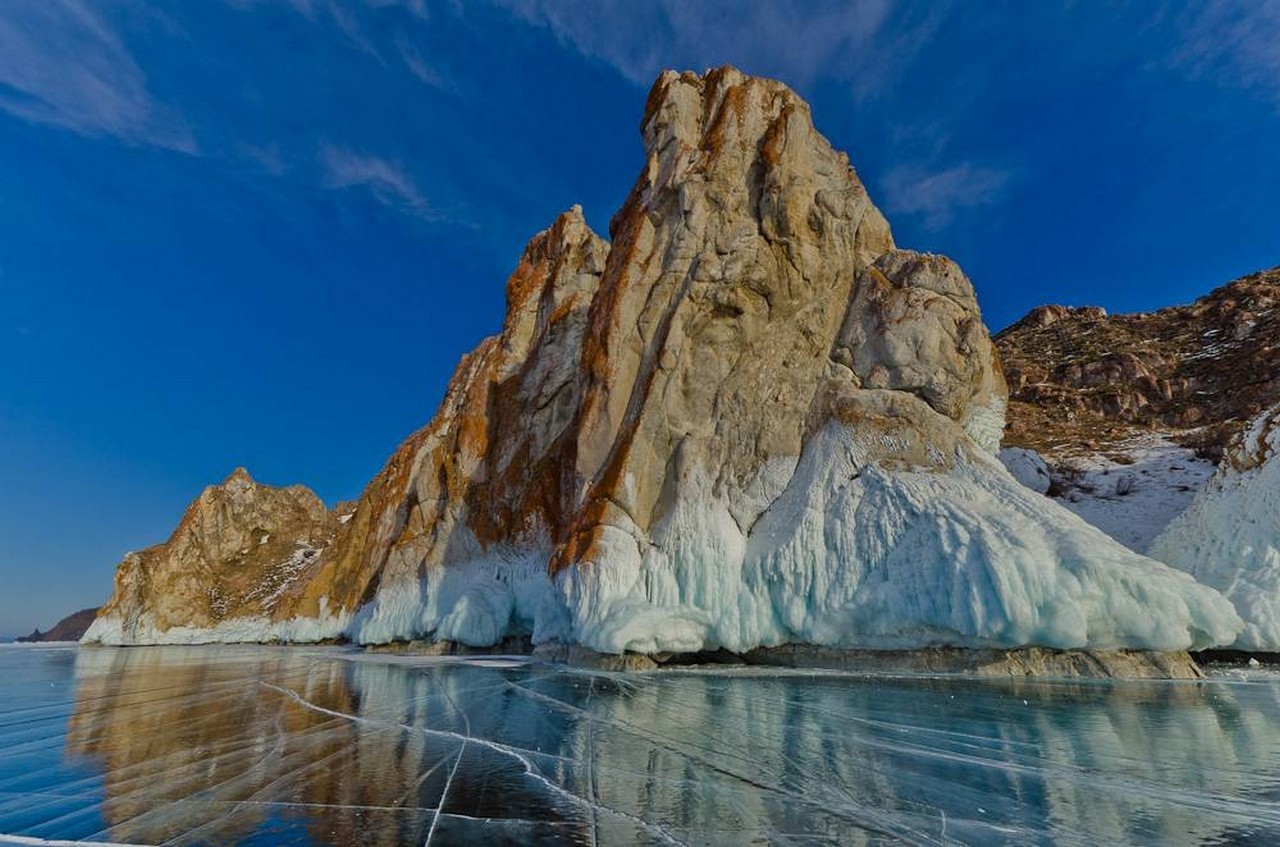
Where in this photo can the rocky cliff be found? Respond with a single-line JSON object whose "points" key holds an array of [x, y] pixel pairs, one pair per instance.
{"points": [[748, 420]]}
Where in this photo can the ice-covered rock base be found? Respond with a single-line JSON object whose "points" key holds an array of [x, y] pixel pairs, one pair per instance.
{"points": [[849, 553]]}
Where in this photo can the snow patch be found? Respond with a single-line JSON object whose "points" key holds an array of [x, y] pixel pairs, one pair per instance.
{"points": [[1133, 502]]}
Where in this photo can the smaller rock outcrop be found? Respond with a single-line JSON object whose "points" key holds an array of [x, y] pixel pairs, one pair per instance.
{"points": [[1229, 537], [70, 628], [240, 549]]}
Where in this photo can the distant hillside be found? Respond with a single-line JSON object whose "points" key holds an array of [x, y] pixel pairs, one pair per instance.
{"points": [[1081, 380], [69, 628]]}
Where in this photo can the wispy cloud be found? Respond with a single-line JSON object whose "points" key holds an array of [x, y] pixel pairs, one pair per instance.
{"points": [[797, 41], [1234, 43], [387, 181], [352, 20], [61, 64], [938, 195], [420, 67]]}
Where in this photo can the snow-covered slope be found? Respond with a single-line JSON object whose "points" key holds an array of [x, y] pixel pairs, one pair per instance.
{"points": [[1134, 489], [1229, 537]]}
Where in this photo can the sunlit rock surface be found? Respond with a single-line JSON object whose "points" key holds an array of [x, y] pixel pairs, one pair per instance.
{"points": [[748, 421], [240, 553], [1229, 537], [1082, 381], [272, 746]]}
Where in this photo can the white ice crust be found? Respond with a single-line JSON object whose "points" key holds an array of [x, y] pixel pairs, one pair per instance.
{"points": [[858, 554], [1134, 499], [844, 552], [1027, 467], [114, 630], [1229, 537]]}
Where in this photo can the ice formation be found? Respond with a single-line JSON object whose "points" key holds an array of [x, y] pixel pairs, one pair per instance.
{"points": [[859, 553], [1229, 537], [1027, 467]]}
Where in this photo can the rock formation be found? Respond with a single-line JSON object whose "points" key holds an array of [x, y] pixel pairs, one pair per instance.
{"points": [[748, 421], [238, 553], [1229, 537], [70, 628]]}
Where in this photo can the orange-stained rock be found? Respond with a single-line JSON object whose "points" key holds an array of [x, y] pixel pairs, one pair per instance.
{"points": [[239, 550]]}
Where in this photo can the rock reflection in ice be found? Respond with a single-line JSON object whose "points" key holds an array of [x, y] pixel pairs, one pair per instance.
{"points": [[307, 746]]}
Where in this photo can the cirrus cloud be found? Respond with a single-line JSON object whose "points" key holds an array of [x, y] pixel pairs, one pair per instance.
{"points": [[61, 64], [938, 195]]}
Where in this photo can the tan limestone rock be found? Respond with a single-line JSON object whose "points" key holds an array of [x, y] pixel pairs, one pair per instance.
{"points": [[240, 548]]}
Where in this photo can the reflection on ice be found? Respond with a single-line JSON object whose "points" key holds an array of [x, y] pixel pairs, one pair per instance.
{"points": [[277, 746]]}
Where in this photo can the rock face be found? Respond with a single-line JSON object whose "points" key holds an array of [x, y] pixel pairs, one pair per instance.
{"points": [[238, 553], [749, 421], [1081, 380], [1229, 537], [70, 628]]}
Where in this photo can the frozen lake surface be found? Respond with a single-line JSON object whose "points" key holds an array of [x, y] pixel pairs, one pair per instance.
{"points": [[273, 746]]}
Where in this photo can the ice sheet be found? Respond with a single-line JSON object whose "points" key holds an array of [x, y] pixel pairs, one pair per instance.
{"points": [[188, 745]]}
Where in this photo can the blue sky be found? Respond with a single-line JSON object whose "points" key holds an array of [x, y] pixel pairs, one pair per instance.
{"points": [[262, 232]]}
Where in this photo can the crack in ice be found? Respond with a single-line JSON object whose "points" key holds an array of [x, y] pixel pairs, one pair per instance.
{"points": [[528, 766]]}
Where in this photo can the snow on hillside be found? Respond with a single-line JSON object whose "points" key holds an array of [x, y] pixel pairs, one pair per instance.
{"points": [[1135, 491]]}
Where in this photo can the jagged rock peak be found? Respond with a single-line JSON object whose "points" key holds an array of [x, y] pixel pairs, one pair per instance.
{"points": [[558, 271], [751, 137], [721, 108], [237, 482], [1042, 316]]}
